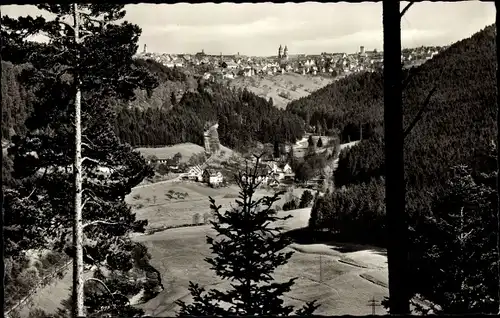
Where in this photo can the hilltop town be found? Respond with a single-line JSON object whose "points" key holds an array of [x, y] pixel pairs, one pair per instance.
{"points": [[219, 67]]}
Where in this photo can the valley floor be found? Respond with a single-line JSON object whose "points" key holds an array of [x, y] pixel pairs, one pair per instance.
{"points": [[348, 280], [350, 275]]}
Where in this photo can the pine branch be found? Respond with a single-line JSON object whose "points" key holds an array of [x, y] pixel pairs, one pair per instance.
{"points": [[420, 112], [406, 8], [66, 25], [104, 285], [102, 222], [90, 159], [87, 145]]}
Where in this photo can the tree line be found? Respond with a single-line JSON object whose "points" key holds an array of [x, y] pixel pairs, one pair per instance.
{"points": [[243, 119]]}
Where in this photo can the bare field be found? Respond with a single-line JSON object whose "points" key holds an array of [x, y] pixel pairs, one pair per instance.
{"points": [[282, 88], [186, 149]]}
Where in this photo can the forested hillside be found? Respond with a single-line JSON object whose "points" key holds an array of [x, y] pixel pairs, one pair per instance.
{"points": [[15, 101], [459, 121], [463, 74], [449, 170], [175, 111]]}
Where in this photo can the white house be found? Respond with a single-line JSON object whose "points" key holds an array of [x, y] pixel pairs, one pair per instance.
{"points": [[264, 175], [212, 177], [228, 75], [248, 71], [287, 169], [232, 65]]}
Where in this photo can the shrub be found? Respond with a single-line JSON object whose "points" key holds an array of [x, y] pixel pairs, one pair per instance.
{"points": [[290, 205], [206, 217], [196, 218], [305, 199]]}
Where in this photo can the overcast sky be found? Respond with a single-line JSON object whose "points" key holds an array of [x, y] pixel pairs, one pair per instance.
{"points": [[258, 29]]}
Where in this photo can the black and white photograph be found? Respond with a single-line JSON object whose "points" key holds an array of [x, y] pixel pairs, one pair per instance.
{"points": [[250, 159]]}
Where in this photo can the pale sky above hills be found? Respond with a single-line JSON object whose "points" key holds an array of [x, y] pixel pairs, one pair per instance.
{"points": [[258, 29]]}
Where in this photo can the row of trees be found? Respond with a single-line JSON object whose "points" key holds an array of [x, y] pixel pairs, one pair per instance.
{"points": [[158, 116]]}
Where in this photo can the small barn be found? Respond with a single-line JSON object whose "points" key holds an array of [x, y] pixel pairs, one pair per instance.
{"points": [[195, 173]]}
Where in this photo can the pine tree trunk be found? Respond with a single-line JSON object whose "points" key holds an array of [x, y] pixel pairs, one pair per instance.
{"points": [[498, 156], [397, 252], [78, 291]]}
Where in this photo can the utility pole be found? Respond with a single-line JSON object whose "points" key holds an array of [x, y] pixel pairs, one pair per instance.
{"points": [[78, 282], [320, 269], [397, 256], [373, 303]]}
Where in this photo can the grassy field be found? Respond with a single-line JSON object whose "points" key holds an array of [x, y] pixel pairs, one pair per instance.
{"points": [[282, 88], [340, 287], [349, 278], [162, 205], [341, 279], [187, 150]]}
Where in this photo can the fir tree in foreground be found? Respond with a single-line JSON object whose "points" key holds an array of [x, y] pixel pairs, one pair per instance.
{"points": [[247, 249], [86, 63]]}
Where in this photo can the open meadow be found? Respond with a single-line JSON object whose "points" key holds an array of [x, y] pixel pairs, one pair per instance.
{"points": [[342, 279], [301, 146], [176, 203], [187, 150]]}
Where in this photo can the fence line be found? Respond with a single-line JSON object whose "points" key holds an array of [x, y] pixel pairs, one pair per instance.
{"points": [[37, 287]]}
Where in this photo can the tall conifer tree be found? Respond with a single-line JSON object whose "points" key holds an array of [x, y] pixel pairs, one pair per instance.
{"points": [[71, 154], [247, 250]]}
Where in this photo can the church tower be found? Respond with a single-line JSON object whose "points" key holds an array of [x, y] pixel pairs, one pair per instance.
{"points": [[145, 49], [285, 53], [279, 51]]}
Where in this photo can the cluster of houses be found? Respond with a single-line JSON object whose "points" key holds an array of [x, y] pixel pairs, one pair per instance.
{"points": [[207, 175], [273, 173], [270, 173], [335, 64]]}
